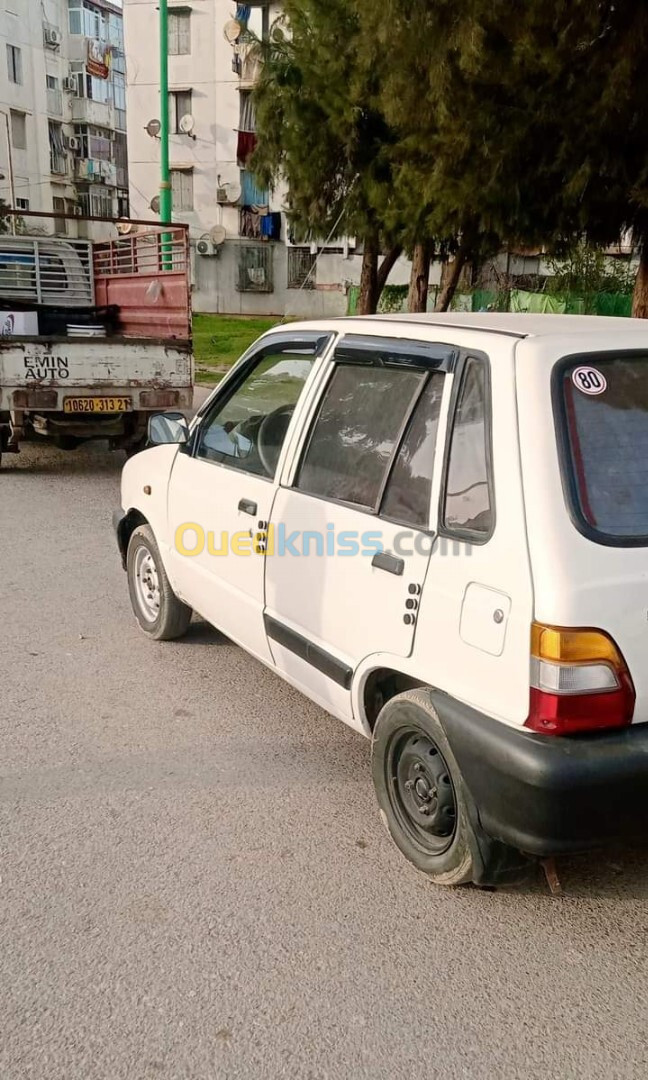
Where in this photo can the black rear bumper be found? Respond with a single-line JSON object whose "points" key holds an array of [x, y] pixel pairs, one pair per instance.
{"points": [[546, 795]]}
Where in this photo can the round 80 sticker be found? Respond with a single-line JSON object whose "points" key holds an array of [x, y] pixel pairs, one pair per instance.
{"points": [[589, 380]]}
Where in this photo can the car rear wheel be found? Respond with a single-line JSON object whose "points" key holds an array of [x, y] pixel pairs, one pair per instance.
{"points": [[424, 803], [158, 610]]}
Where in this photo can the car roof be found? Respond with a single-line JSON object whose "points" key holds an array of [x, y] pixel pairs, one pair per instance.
{"points": [[540, 334], [516, 325]]}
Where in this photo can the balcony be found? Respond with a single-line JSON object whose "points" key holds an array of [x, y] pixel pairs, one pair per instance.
{"points": [[93, 171], [86, 111], [54, 102], [247, 64]]}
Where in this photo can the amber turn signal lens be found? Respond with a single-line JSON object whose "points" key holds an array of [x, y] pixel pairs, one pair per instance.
{"points": [[574, 646]]}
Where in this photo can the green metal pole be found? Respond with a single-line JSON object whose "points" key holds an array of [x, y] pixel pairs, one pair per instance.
{"points": [[166, 201]]}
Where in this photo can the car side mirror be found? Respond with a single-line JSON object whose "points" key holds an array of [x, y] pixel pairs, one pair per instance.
{"points": [[167, 428]]}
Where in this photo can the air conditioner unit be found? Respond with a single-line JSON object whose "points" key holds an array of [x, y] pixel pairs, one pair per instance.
{"points": [[222, 195], [70, 84], [52, 37], [206, 247], [73, 142]]}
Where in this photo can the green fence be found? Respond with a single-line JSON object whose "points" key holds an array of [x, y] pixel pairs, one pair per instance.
{"points": [[394, 299]]}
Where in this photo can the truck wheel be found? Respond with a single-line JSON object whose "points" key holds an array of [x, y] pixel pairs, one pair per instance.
{"points": [[424, 803], [157, 609]]}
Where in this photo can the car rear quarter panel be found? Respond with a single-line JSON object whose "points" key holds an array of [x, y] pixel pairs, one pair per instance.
{"points": [[577, 581]]}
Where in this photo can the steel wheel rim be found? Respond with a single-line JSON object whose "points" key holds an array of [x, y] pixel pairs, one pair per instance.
{"points": [[421, 791], [147, 584]]}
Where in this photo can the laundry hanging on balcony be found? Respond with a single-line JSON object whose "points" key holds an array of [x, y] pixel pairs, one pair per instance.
{"points": [[246, 144], [247, 111], [271, 226], [249, 223], [251, 193]]}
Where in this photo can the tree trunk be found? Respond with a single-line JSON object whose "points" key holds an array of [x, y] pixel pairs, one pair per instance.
{"points": [[449, 287], [420, 277], [386, 267], [368, 298], [640, 294]]}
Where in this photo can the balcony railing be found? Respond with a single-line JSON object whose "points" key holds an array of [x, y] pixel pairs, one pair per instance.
{"points": [[85, 110], [54, 102]]}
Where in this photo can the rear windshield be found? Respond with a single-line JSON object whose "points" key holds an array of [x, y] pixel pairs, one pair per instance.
{"points": [[604, 407]]}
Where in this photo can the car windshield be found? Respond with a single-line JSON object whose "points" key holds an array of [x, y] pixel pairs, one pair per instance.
{"points": [[604, 406]]}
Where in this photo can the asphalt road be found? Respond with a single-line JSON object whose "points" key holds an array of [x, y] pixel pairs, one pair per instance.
{"points": [[194, 880]]}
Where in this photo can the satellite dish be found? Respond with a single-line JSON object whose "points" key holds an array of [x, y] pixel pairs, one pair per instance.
{"points": [[153, 128], [218, 235], [232, 31], [125, 227], [186, 124], [233, 193], [155, 204]]}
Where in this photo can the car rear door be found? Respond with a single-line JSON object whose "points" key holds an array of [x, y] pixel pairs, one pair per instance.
{"points": [[351, 529]]}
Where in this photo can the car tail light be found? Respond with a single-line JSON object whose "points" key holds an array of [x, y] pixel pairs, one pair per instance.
{"points": [[579, 682]]}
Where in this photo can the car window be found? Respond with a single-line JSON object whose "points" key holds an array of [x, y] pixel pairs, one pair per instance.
{"points": [[606, 409], [468, 489], [356, 432], [407, 495], [247, 431]]}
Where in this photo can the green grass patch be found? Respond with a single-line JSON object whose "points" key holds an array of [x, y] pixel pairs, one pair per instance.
{"points": [[219, 341]]}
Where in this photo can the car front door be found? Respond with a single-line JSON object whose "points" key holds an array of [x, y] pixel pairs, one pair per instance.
{"points": [[223, 484], [351, 528]]}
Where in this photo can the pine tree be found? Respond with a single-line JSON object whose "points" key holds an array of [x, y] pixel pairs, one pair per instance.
{"points": [[519, 125]]}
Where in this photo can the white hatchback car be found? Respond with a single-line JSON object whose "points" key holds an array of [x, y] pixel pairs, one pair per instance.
{"points": [[436, 527]]}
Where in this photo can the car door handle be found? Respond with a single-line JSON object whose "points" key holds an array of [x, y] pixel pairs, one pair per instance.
{"points": [[248, 507], [382, 560]]}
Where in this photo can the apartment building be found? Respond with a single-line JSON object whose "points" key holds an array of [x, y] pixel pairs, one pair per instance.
{"points": [[63, 100], [242, 256]]}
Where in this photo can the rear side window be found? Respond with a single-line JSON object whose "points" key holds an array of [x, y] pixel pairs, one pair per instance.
{"points": [[356, 432], [407, 495], [603, 405], [468, 503]]}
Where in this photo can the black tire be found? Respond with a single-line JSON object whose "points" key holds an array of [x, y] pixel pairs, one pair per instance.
{"points": [[424, 802], [173, 617]]}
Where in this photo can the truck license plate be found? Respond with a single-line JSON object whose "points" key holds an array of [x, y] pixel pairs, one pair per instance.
{"points": [[96, 404]]}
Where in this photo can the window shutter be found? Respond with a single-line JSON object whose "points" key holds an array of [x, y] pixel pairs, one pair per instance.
{"points": [[187, 179], [173, 35], [182, 188], [183, 23]]}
